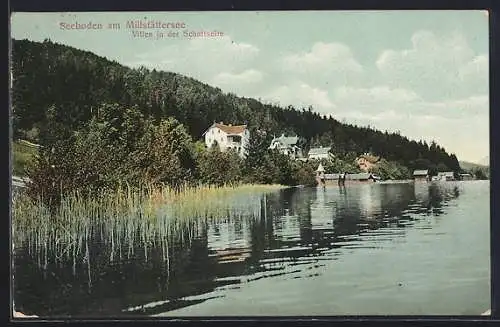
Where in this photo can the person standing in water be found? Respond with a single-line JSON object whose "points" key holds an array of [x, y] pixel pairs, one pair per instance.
{"points": [[342, 179], [322, 179]]}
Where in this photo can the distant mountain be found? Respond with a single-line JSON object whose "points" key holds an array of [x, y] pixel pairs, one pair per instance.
{"points": [[472, 166], [485, 161]]}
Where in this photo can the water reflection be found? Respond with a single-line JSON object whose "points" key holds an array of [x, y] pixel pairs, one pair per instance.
{"points": [[289, 234]]}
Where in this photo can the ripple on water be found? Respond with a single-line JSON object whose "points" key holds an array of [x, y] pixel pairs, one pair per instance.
{"points": [[304, 251]]}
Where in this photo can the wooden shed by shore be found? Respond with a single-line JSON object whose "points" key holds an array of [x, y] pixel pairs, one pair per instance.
{"points": [[350, 178], [362, 177], [466, 177], [421, 175]]}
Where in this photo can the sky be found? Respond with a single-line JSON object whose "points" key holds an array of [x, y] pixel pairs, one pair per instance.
{"points": [[422, 73]]}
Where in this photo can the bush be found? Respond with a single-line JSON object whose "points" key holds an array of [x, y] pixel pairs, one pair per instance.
{"points": [[219, 168], [391, 170], [303, 174]]}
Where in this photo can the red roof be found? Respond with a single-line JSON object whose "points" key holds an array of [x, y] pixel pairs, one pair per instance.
{"points": [[230, 129]]}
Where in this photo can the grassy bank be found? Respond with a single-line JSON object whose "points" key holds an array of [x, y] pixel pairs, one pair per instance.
{"points": [[23, 154]]}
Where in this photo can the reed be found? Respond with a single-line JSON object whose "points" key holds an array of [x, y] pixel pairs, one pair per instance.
{"points": [[123, 219]]}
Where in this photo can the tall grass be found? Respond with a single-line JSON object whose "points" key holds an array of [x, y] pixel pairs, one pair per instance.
{"points": [[125, 220]]}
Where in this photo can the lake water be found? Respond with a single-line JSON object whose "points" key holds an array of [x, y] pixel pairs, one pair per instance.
{"points": [[367, 249]]}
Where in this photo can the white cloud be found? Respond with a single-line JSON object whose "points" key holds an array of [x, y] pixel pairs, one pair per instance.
{"points": [[375, 95], [383, 99], [247, 76], [324, 65], [427, 51], [461, 126], [246, 83], [222, 49], [200, 58], [329, 56], [466, 108], [478, 67], [301, 95], [436, 67]]}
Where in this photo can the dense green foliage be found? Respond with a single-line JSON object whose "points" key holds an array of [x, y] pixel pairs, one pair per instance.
{"points": [[391, 170], [341, 164], [102, 123], [219, 168], [122, 146], [269, 166]]}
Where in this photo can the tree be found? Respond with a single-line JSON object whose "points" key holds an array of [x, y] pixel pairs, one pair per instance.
{"points": [[164, 154], [480, 174], [256, 158], [433, 171], [54, 168], [391, 170], [280, 168], [219, 168], [441, 167], [303, 174]]}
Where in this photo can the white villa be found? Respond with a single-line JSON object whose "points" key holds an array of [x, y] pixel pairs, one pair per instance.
{"points": [[287, 145], [319, 153], [228, 137]]}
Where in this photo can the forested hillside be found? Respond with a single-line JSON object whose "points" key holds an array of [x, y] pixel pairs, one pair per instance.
{"points": [[477, 170], [74, 84]]}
